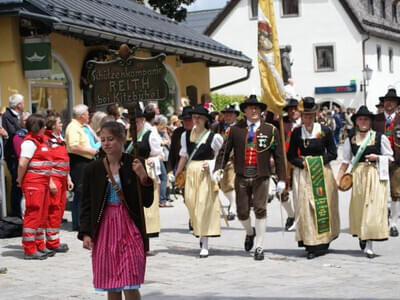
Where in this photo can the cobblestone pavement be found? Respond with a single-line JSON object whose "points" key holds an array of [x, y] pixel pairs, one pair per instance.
{"points": [[176, 272]]}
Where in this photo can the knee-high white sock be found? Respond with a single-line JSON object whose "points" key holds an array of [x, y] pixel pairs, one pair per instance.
{"points": [[247, 226], [261, 226], [231, 198], [368, 247], [288, 207], [395, 212]]}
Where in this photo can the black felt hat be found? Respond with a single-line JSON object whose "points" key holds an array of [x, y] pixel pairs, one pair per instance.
{"points": [[390, 95], [362, 111], [231, 108], [252, 100], [199, 109], [139, 112], [308, 105], [186, 113], [291, 102], [379, 104]]}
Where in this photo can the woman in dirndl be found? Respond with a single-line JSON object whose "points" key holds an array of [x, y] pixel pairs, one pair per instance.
{"points": [[369, 152], [315, 193], [149, 149], [199, 148], [112, 216]]}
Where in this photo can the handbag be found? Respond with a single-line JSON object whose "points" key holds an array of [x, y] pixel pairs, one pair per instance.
{"points": [[181, 178], [346, 182]]}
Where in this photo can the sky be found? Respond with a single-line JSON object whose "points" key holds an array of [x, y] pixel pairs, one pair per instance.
{"points": [[207, 4]]}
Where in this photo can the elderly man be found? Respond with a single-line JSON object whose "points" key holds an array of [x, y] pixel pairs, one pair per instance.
{"points": [[11, 123], [80, 153]]}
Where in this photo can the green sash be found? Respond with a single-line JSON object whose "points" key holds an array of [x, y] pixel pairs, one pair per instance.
{"points": [[315, 166], [129, 150]]}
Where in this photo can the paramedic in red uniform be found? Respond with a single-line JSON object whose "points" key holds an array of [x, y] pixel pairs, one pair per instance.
{"points": [[60, 179], [34, 169]]}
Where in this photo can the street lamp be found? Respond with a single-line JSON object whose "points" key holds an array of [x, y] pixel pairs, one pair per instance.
{"points": [[367, 75]]}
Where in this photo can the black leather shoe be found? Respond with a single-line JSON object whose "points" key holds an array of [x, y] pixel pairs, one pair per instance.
{"points": [[62, 248], [363, 244], [35, 256], [394, 232], [259, 254], [249, 241], [230, 216], [48, 252], [289, 223], [311, 255]]}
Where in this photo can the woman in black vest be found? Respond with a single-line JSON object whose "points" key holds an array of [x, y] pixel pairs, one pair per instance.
{"points": [[199, 148], [364, 148], [149, 148], [315, 194]]}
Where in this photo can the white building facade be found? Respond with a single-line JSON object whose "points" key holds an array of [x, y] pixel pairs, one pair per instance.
{"points": [[327, 53]]}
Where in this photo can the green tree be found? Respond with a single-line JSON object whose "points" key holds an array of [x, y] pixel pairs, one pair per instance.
{"points": [[220, 101], [171, 8]]}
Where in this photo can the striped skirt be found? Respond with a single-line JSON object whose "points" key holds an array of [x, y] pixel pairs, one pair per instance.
{"points": [[118, 257]]}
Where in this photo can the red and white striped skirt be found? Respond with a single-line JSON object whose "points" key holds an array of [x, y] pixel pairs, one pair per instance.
{"points": [[118, 257]]}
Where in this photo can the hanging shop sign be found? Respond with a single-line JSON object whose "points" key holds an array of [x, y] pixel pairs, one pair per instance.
{"points": [[127, 81], [36, 55]]}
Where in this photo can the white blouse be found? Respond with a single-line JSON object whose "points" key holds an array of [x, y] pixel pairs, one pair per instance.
{"points": [[216, 144], [386, 150]]}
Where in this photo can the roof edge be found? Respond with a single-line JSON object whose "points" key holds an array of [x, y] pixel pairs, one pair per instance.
{"points": [[220, 17], [352, 16]]}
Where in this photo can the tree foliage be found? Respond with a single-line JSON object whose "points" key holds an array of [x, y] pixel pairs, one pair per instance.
{"points": [[220, 101], [171, 8]]}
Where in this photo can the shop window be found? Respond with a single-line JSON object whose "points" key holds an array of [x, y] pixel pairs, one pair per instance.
{"points": [[324, 58], [191, 92], [379, 57], [371, 7], [390, 60], [168, 106], [51, 93], [290, 8], [253, 5], [383, 9]]}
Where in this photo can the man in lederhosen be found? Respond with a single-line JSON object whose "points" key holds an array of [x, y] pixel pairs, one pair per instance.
{"points": [[290, 122], [227, 183], [253, 142], [388, 123]]}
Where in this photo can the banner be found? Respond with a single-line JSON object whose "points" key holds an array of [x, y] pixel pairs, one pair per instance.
{"points": [[36, 57], [315, 165], [269, 63]]}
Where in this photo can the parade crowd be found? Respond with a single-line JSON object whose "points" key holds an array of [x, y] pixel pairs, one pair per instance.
{"points": [[119, 186]]}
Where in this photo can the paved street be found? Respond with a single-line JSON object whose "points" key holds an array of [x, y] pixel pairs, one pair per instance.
{"points": [[176, 272]]}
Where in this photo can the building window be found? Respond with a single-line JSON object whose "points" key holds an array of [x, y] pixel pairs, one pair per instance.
{"points": [[383, 9], [253, 9], [324, 58], [390, 60], [371, 7], [394, 12], [290, 8], [379, 57]]}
